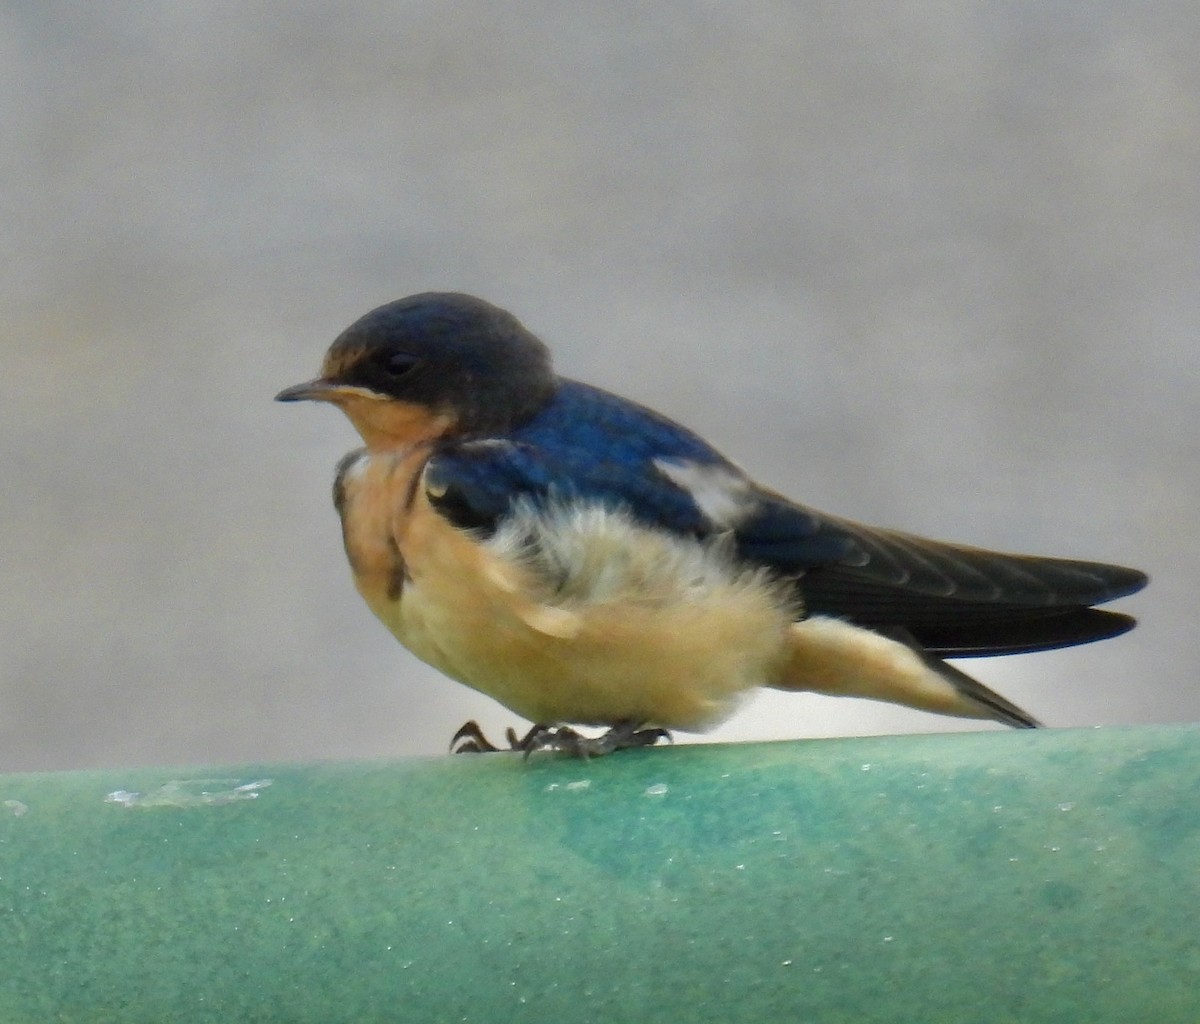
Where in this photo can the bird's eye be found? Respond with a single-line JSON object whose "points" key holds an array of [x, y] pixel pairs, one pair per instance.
{"points": [[398, 364]]}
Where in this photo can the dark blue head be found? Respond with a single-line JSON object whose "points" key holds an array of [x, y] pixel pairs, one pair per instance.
{"points": [[451, 354]]}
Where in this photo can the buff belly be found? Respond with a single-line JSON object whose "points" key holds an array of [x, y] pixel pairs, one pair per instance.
{"points": [[579, 615]]}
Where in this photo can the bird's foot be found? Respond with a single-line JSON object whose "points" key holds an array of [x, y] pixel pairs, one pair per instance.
{"points": [[622, 736]]}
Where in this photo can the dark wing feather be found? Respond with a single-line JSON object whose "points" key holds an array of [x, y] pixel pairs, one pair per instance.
{"points": [[586, 443], [474, 484], [959, 600]]}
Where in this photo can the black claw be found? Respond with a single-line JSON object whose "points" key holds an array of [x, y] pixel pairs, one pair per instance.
{"points": [[471, 740], [532, 740]]}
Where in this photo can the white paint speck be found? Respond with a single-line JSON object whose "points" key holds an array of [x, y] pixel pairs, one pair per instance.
{"points": [[190, 793]]}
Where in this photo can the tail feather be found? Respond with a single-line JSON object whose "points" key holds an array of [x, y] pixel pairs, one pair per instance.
{"points": [[828, 655], [971, 689], [1022, 634]]}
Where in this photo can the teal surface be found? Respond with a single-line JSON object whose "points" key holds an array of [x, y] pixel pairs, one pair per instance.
{"points": [[999, 877]]}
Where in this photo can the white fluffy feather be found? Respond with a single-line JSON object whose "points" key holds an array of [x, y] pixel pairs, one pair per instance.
{"points": [[588, 554]]}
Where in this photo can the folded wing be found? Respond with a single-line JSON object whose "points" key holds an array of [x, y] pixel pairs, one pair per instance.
{"points": [[949, 599]]}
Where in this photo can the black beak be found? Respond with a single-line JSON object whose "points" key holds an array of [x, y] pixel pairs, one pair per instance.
{"points": [[317, 390]]}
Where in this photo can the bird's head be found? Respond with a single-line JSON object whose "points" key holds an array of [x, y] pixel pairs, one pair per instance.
{"points": [[432, 365]]}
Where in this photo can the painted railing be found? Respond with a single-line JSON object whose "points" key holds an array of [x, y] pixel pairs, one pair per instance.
{"points": [[991, 877]]}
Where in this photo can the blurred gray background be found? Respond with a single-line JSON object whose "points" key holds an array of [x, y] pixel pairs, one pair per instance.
{"points": [[927, 265]]}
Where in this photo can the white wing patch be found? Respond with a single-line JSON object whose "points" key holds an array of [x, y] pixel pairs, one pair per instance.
{"points": [[724, 495]]}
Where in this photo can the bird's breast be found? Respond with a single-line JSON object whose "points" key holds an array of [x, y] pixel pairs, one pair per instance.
{"points": [[373, 493]]}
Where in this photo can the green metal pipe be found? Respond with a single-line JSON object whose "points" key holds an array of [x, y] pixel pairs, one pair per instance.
{"points": [[998, 877]]}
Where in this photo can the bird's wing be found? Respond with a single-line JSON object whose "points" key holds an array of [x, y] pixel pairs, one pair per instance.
{"points": [[594, 446], [888, 566], [959, 600], [476, 483]]}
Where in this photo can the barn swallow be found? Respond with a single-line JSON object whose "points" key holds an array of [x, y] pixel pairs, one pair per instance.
{"points": [[586, 561]]}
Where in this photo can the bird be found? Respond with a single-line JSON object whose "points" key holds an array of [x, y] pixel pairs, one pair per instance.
{"points": [[589, 562]]}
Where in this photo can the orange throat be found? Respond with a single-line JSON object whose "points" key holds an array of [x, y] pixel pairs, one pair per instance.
{"points": [[386, 424]]}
